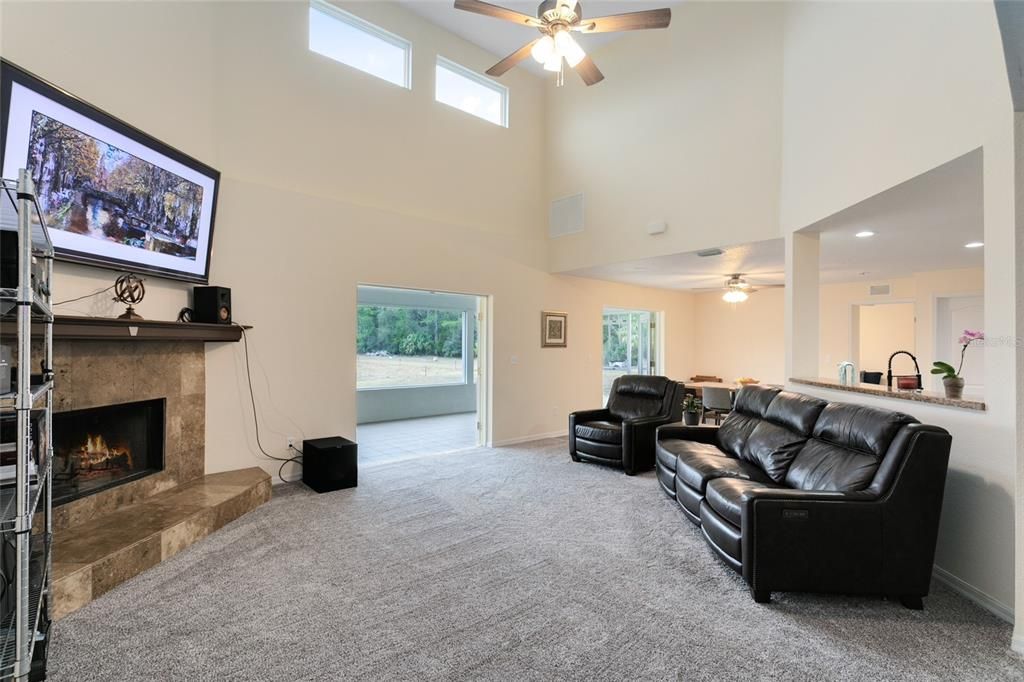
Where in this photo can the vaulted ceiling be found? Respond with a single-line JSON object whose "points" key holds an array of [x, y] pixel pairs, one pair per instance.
{"points": [[501, 38]]}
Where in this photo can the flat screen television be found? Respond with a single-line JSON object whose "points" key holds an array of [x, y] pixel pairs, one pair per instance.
{"points": [[112, 195]]}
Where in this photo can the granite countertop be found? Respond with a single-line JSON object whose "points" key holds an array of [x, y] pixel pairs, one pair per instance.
{"points": [[931, 397]]}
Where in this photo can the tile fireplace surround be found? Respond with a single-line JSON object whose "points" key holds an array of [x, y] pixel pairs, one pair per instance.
{"points": [[97, 373], [108, 537]]}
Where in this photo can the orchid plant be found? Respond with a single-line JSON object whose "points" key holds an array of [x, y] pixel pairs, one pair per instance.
{"points": [[966, 339]]}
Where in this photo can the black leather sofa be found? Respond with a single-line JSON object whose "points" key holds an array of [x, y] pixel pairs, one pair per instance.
{"points": [[799, 494], [623, 432]]}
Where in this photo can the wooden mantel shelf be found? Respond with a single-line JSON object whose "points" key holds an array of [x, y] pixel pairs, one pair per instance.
{"points": [[74, 328]]}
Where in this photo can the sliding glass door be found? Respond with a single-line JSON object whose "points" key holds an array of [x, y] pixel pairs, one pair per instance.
{"points": [[630, 344]]}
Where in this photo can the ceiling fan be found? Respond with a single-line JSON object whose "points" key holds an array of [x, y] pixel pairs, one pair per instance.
{"points": [[738, 289], [556, 19]]}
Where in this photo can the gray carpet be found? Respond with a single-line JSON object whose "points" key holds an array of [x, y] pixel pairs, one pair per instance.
{"points": [[496, 564]]}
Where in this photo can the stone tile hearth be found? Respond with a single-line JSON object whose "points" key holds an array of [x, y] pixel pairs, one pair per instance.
{"points": [[92, 558]]}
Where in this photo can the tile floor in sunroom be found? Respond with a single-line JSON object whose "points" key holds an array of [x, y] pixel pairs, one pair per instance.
{"points": [[392, 441]]}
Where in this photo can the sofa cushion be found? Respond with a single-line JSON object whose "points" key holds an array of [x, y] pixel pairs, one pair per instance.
{"points": [[725, 496], [696, 469], [749, 409], [823, 466], [859, 427], [795, 411], [671, 448], [601, 431], [633, 397], [773, 448]]}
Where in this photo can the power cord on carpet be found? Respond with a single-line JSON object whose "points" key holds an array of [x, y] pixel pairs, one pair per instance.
{"points": [[255, 419]]}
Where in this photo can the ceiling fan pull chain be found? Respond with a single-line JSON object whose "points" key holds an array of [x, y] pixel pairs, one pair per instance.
{"points": [[560, 81]]}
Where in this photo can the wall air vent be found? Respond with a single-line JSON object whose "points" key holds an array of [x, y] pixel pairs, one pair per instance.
{"points": [[566, 216], [706, 253], [879, 290]]}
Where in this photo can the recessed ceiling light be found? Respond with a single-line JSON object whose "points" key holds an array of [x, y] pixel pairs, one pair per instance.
{"points": [[974, 245], [865, 233]]}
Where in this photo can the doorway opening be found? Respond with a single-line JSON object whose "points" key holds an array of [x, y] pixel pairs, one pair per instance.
{"points": [[630, 345], [420, 372]]}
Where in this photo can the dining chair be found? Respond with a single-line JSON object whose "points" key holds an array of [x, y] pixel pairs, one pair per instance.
{"points": [[717, 402]]}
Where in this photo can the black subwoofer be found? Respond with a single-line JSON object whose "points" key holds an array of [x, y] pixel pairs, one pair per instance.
{"points": [[329, 463], [211, 305]]}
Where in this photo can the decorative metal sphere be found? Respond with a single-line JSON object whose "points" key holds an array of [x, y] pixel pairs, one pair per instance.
{"points": [[129, 289]]}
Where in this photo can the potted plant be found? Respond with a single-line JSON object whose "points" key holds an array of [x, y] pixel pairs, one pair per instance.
{"points": [[952, 381], [693, 409]]}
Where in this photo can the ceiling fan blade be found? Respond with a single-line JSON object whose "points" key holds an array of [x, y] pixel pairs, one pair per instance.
{"points": [[513, 59], [489, 10], [588, 71], [630, 21]]}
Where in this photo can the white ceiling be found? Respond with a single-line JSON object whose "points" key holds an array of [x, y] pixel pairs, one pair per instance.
{"points": [[502, 38], [920, 226]]}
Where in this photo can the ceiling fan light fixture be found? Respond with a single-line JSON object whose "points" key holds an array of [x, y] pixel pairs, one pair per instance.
{"points": [[569, 48], [554, 62], [543, 49], [735, 296]]}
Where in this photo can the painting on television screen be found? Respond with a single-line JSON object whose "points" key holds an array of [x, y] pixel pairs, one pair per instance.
{"points": [[112, 195]]}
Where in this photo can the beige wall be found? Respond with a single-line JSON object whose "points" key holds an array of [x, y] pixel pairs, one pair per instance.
{"points": [[723, 345], [859, 117], [838, 302], [332, 177], [685, 128], [742, 339], [881, 330]]}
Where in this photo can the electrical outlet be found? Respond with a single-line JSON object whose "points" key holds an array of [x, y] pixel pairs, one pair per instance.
{"points": [[291, 442]]}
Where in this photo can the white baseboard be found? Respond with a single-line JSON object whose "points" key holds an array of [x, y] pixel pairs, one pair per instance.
{"points": [[979, 597], [528, 439]]}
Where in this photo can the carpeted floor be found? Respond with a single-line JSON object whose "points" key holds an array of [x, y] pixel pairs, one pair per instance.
{"points": [[505, 564]]}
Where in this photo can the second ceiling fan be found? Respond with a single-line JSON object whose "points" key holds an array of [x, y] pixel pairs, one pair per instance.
{"points": [[556, 19]]}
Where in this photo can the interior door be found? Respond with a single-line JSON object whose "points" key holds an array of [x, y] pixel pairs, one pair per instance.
{"points": [[954, 314]]}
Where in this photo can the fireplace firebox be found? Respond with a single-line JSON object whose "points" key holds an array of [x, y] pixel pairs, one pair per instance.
{"points": [[101, 447]]}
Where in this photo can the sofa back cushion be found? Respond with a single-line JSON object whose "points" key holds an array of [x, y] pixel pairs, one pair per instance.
{"points": [[846, 447], [635, 396], [747, 412], [775, 441]]}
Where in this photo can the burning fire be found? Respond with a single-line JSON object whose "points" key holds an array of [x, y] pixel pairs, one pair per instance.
{"points": [[94, 453]]}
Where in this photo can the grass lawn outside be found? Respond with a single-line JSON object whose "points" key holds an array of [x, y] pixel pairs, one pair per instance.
{"points": [[407, 370]]}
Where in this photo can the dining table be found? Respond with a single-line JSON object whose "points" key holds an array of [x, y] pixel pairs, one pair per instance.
{"points": [[732, 386]]}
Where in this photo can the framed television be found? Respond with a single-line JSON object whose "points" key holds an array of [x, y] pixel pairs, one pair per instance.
{"points": [[112, 195]]}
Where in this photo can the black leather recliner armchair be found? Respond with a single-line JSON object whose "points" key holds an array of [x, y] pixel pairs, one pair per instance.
{"points": [[624, 432], [799, 494]]}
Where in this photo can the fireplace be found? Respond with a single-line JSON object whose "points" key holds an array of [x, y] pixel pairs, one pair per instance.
{"points": [[101, 447]]}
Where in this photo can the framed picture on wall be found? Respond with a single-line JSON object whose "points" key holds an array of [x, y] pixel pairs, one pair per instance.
{"points": [[112, 195], [553, 329]]}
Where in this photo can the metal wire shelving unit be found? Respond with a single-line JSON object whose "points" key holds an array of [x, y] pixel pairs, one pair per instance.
{"points": [[26, 498]]}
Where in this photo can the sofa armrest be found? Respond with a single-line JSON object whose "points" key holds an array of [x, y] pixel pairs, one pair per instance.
{"points": [[811, 540], [638, 439], [699, 434], [583, 416]]}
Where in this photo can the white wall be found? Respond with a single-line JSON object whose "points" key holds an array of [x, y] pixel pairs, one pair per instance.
{"points": [[685, 128], [877, 93], [331, 178]]}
